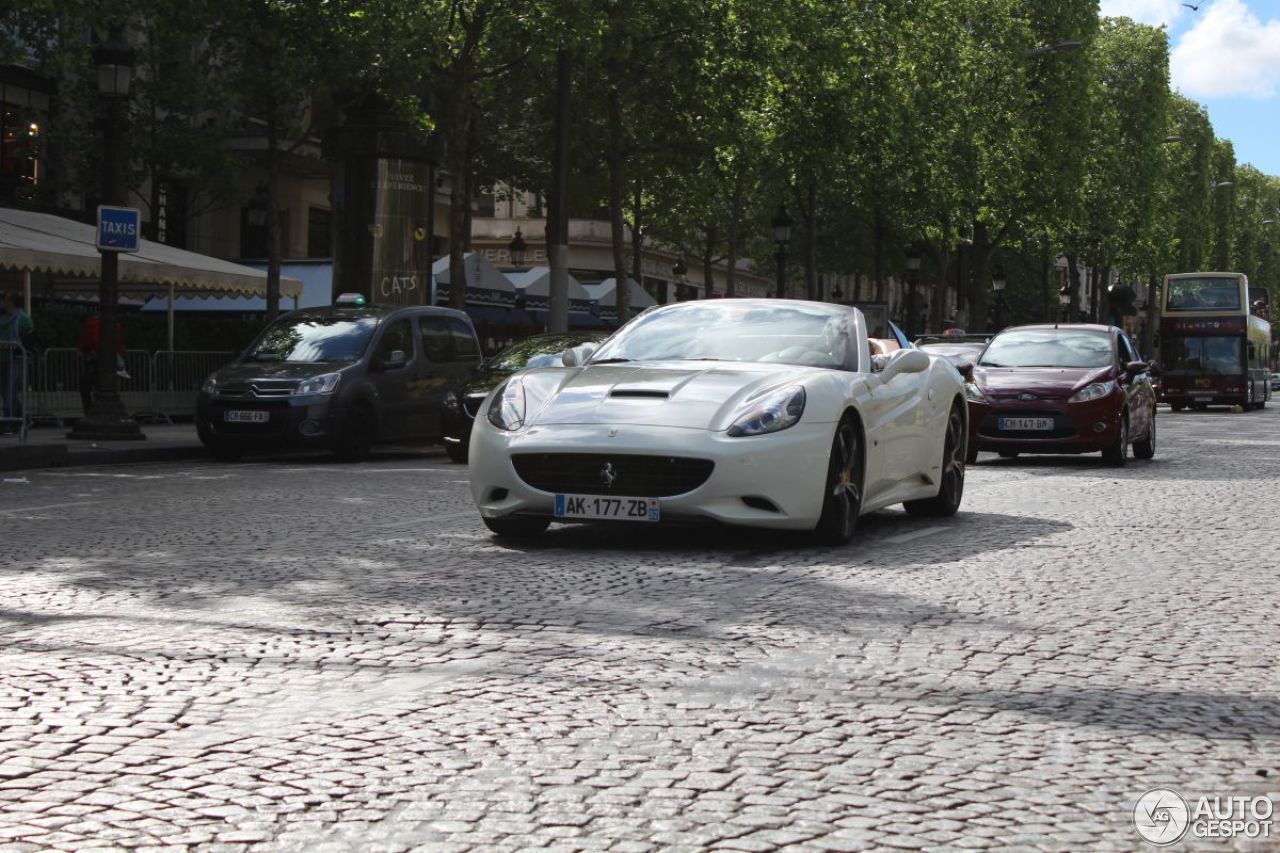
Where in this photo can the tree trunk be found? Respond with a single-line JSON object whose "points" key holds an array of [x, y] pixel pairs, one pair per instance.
{"points": [[558, 203], [637, 239], [878, 229], [460, 188], [1095, 278], [622, 290], [735, 233], [273, 227], [811, 242], [979, 276], [708, 264]]}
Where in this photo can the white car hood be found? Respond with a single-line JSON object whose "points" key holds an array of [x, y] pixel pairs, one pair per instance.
{"points": [[703, 395]]}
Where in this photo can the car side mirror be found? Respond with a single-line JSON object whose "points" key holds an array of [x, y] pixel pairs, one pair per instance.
{"points": [[396, 358], [577, 356], [966, 369], [905, 361], [1134, 368]]}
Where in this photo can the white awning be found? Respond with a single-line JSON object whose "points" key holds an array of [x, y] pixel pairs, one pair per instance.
{"points": [[41, 242]]}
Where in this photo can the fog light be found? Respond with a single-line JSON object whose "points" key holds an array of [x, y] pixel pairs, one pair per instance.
{"points": [[498, 494], [309, 428], [1099, 427]]}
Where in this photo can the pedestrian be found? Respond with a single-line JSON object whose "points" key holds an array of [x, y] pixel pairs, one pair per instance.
{"points": [[17, 332], [90, 338]]}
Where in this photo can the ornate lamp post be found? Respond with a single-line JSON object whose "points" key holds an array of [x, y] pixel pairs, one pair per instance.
{"points": [[998, 283], [782, 235], [680, 273], [107, 418], [518, 248], [913, 299], [1064, 300]]}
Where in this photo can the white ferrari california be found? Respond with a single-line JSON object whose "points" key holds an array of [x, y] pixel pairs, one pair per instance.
{"points": [[758, 412]]}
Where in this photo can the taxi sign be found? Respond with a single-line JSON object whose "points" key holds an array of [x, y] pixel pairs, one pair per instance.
{"points": [[118, 228]]}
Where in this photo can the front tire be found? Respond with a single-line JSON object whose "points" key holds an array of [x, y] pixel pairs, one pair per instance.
{"points": [[1118, 453], [226, 452], [951, 488], [457, 452], [517, 526], [1008, 454], [1146, 448], [357, 435], [842, 503]]}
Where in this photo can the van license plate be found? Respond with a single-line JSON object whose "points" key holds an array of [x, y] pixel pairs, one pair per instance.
{"points": [[1016, 424], [607, 507], [240, 416]]}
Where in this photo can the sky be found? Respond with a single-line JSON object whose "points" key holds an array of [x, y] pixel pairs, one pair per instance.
{"points": [[1226, 56]]}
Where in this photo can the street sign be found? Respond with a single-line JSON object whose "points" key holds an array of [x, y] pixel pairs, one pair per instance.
{"points": [[118, 228]]}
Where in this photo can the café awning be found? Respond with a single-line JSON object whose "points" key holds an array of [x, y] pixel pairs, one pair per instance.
{"points": [[42, 242]]}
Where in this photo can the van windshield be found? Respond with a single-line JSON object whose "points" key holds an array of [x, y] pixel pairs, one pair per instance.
{"points": [[313, 339]]}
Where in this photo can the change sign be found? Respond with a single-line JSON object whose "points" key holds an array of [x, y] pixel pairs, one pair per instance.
{"points": [[118, 229]]}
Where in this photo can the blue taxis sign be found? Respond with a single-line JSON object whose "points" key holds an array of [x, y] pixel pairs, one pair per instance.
{"points": [[118, 229]]}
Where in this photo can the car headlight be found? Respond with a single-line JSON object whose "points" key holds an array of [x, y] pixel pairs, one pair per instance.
{"points": [[771, 413], [210, 386], [450, 400], [1096, 391], [973, 393], [325, 383], [507, 409]]}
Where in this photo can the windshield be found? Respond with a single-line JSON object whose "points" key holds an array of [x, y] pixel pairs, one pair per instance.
{"points": [[1049, 348], [313, 339], [536, 352], [746, 331], [1215, 356], [1213, 293]]}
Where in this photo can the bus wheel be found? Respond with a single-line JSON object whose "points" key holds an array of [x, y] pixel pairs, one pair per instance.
{"points": [[1177, 407]]}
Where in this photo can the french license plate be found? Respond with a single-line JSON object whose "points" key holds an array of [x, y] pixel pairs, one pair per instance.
{"points": [[241, 416], [607, 507], [1022, 424]]}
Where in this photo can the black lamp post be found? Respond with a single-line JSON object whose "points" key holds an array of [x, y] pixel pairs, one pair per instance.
{"points": [[679, 272], [998, 282], [107, 418], [782, 235], [1064, 300], [913, 301], [518, 248]]}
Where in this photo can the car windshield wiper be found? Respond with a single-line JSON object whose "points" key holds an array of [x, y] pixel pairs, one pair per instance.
{"points": [[266, 356], [609, 361]]}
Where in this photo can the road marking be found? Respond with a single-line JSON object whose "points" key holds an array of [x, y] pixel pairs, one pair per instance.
{"points": [[917, 534], [46, 506]]}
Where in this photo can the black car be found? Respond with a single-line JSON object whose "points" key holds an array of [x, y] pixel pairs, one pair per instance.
{"points": [[339, 378], [537, 351]]}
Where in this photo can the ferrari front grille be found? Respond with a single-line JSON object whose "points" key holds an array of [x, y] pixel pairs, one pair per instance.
{"points": [[612, 473]]}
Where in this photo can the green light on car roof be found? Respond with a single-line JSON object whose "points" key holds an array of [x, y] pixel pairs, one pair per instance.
{"points": [[355, 299]]}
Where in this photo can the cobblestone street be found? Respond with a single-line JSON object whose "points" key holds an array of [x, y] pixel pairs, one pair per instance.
{"points": [[296, 655]]}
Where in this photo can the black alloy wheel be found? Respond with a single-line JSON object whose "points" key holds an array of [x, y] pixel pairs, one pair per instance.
{"points": [[951, 487], [842, 502], [1146, 448], [1118, 453]]}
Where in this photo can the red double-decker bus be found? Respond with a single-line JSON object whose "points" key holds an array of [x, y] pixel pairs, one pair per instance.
{"points": [[1213, 349]]}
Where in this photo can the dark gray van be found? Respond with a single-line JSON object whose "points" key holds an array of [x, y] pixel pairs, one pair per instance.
{"points": [[343, 378]]}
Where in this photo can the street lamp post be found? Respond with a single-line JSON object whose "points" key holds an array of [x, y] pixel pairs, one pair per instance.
{"points": [[517, 248], [913, 304], [107, 418], [1064, 300], [782, 235], [998, 283]]}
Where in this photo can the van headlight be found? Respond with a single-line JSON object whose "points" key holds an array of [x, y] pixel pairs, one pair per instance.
{"points": [[771, 413], [210, 386], [325, 383], [1096, 391], [506, 411]]}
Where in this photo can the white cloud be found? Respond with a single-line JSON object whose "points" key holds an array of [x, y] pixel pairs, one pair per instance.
{"points": [[1154, 12], [1229, 52]]}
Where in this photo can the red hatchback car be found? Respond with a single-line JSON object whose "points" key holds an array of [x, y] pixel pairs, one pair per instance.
{"points": [[1062, 389]]}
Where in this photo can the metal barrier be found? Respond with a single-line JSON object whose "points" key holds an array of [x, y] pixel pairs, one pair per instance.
{"points": [[160, 386], [13, 366], [176, 378]]}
